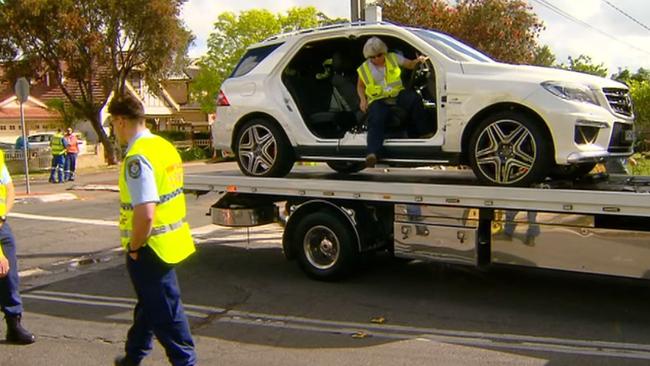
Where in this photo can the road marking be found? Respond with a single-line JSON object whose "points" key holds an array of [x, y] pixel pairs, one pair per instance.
{"points": [[63, 219], [386, 331]]}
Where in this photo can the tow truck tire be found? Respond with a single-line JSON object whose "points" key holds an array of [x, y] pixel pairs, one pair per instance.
{"points": [[346, 167], [510, 149], [263, 150], [326, 245]]}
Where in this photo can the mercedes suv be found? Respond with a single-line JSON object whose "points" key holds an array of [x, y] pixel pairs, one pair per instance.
{"points": [[293, 98]]}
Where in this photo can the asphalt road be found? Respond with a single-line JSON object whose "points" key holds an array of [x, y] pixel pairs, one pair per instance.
{"points": [[249, 306]]}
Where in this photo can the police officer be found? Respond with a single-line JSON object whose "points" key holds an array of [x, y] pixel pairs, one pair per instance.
{"points": [[58, 145], [155, 234], [10, 300]]}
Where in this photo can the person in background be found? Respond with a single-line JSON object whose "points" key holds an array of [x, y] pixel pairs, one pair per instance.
{"points": [[10, 300], [72, 150], [154, 233], [58, 144], [379, 87]]}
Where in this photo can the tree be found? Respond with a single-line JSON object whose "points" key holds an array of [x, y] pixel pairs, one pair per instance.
{"points": [[584, 64], [234, 33], [544, 56], [68, 113], [639, 84], [95, 45], [506, 30]]}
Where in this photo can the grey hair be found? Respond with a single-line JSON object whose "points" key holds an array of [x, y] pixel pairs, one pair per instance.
{"points": [[373, 47]]}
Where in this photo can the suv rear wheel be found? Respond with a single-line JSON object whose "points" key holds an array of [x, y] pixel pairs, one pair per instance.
{"points": [[263, 150]]}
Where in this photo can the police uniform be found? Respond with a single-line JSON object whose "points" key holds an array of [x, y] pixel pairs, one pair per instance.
{"points": [[58, 145], [152, 172], [10, 300]]}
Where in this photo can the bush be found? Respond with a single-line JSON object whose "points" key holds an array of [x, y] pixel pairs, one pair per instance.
{"points": [[173, 135], [194, 153]]}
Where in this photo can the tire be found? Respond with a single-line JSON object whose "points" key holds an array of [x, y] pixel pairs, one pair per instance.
{"points": [[326, 246], [510, 149], [346, 167], [263, 150], [572, 172]]}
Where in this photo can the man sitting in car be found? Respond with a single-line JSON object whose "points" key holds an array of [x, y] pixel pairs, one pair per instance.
{"points": [[379, 87]]}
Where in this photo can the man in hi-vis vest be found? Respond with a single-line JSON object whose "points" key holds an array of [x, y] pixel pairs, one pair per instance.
{"points": [[12, 305], [380, 86], [154, 233]]}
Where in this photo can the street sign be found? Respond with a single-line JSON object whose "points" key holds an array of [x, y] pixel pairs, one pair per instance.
{"points": [[22, 90]]}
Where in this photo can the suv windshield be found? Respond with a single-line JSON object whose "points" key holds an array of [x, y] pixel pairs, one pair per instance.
{"points": [[450, 47]]}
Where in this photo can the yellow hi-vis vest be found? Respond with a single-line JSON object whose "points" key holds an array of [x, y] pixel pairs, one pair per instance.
{"points": [[393, 83], [3, 189], [170, 236], [56, 144]]}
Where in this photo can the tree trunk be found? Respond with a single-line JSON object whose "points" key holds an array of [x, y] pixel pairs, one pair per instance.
{"points": [[109, 149]]}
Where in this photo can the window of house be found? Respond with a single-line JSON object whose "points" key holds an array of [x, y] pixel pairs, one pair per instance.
{"points": [[12, 127], [3, 128]]}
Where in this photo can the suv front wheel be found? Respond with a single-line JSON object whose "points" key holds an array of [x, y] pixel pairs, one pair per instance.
{"points": [[509, 149], [263, 150]]}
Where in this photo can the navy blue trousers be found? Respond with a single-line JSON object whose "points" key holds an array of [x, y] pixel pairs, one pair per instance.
{"points": [[379, 113], [9, 285], [56, 174], [159, 311], [70, 166]]}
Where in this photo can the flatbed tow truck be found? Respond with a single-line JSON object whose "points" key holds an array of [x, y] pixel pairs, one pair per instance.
{"points": [[599, 225]]}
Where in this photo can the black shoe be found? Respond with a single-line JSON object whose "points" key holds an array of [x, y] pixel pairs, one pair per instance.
{"points": [[16, 334], [124, 361], [371, 160]]}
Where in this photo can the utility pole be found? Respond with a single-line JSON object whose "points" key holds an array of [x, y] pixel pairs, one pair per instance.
{"points": [[357, 10]]}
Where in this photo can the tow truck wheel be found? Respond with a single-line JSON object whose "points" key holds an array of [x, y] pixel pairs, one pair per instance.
{"points": [[263, 150], [326, 245], [509, 149], [346, 167]]}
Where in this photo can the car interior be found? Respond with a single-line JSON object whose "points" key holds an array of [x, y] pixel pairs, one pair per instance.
{"points": [[322, 80]]}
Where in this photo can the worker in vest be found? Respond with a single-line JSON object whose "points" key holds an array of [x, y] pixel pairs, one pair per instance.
{"points": [[71, 152], [154, 234], [379, 87], [10, 301], [58, 145]]}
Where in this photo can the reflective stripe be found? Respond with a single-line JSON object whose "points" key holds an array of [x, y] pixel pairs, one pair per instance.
{"points": [[164, 198], [158, 230]]}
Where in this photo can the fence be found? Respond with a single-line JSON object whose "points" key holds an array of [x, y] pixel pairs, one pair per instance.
{"points": [[186, 144]]}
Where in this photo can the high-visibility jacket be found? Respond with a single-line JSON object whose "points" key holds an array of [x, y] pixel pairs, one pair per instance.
{"points": [[56, 144], [3, 195], [393, 82], [73, 144], [170, 236]]}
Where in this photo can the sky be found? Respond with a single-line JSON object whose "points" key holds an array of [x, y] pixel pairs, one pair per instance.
{"points": [[590, 27]]}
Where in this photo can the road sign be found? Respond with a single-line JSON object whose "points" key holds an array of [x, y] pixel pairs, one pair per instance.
{"points": [[22, 90]]}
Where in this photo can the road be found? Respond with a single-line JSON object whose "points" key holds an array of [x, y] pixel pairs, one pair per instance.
{"points": [[249, 306]]}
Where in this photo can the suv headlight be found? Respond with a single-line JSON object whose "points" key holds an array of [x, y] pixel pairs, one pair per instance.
{"points": [[571, 91]]}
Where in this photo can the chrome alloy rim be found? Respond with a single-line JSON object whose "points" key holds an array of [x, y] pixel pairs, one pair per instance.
{"points": [[321, 247], [257, 150], [505, 151]]}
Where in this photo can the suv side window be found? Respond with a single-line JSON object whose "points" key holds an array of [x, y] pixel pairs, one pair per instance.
{"points": [[252, 58]]}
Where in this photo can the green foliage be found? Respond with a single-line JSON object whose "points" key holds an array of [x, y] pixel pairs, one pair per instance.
{"points": [[173, 135], [585, 65], [194, 153], [69, 114], [94, 44], [233, 34], [640, 166], [506, 30], [544, 56], [639, 84]]}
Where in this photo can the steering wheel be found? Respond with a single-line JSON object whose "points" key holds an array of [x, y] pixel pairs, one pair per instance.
{"points": [[420, 75]]}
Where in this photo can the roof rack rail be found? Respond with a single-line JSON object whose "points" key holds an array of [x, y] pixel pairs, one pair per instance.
{"points": [[324, 27]]}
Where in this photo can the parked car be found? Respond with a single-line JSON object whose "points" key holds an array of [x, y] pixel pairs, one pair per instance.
{"points": [[42, 140], [292, 97]]}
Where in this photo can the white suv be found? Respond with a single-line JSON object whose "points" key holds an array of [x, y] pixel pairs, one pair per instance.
{"points": [[293, 97]]}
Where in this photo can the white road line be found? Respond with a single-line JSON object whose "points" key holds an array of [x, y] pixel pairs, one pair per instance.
{"points": [[63, 219], [481, 339]]}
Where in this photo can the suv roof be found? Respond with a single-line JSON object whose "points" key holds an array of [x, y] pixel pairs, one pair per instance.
{"points": [[281, 37]]}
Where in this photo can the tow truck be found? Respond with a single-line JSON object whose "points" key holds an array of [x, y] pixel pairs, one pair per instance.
{"points": [[600, 224]]}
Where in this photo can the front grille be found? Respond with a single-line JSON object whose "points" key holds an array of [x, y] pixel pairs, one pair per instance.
{"points": [[622, 138], [620, 100]]}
